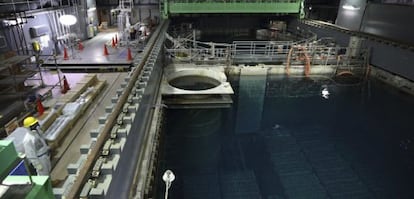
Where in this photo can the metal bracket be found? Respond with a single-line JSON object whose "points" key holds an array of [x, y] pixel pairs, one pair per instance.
{"points": [[114, 132], [106, 148], [96, 171], [120, 119]]}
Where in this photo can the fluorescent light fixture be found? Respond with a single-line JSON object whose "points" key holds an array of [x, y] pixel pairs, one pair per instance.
{"points": [[13, 22], [350, 7], [67, 20]]}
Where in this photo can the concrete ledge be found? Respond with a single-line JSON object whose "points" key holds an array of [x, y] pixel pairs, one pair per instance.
{"points": [[123, 132], [64, 190], [136, 100], [148, 68], [118, 146], [103, 119], [119, 91], [140, 91], [133, 107], [95, 132], [140, 84], [132, 116], [114, 100], [84, 148], [127, 120], [146, 73], [102, 187], [109, 109], [144, 78], [110, 165], [73, 168], [396, 81]]}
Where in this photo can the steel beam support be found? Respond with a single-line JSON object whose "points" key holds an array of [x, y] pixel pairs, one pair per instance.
{"points": [[244, 7]]}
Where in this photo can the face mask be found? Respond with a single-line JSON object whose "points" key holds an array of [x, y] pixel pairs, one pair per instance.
{"points": [[34, 126]]}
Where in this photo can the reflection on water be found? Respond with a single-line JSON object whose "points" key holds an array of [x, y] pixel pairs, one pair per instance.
{"points": [[350, 145]]}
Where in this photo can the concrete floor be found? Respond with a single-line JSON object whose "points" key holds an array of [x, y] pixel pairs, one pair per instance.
{"points": [[93, 51], [68, 151]]}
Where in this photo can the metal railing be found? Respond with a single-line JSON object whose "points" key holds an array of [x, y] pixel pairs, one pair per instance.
{"points": [[187, 49], [307, 52]]}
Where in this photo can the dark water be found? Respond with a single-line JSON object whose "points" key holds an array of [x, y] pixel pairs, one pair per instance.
{"points": [[293, 143]]}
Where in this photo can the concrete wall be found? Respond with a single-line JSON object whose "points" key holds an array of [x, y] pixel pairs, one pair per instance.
{"points": [[390, 21], [350, 19], [386, 20], [48, 20], [392, 59]]}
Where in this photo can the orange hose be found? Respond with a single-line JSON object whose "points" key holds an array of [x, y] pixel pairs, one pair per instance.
{"points": [[345, 73], [307, 65], [288, 61], [306, 59]]}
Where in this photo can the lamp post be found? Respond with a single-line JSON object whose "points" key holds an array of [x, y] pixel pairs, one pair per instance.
{"points": [[68, 20], [57, 69], [168, 178]]}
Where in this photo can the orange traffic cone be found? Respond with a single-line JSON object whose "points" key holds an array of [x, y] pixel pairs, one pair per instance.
{"points": [[105, 50], [113, 43], [116, 38], [65, 54], [80, 46], [39, 107], [65, 85], [129, 55]]}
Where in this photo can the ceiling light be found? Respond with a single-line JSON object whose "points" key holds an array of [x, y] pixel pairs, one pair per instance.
{"points": [[350, 7], [67, 20]]}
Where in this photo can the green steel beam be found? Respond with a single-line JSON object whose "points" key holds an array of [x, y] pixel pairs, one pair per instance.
{"points": [[8, 157], [42, 188], [217, 7]]}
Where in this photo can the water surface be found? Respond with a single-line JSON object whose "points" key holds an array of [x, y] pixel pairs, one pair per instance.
{"points": [[281, 139]]}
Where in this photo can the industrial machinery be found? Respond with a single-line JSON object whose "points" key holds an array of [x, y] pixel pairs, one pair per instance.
{"points": [[16, 180], [124, 11]]}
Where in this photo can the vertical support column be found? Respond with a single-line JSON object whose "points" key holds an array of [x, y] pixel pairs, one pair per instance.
{"points": [[302, 9]]}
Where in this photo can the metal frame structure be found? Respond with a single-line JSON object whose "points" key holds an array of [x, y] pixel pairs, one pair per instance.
{"points": [[173, 7], [306, 52]]}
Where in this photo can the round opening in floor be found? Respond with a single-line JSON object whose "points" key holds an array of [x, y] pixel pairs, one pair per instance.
{"points": [[194, 82]]}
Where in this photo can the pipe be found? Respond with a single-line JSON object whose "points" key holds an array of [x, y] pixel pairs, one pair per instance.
{"points": [[288, 61]]}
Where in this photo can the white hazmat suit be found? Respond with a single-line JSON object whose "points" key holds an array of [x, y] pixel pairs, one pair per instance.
{"points": [[37, 152]]}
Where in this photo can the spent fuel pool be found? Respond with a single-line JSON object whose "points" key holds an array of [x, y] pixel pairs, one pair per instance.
{"points": [[282, 138]]}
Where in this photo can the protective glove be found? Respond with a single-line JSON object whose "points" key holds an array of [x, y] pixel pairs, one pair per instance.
{"points": [[38, 167]]}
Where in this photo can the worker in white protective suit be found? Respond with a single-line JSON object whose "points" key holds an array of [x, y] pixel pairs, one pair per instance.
{"points": [[35, 147]]}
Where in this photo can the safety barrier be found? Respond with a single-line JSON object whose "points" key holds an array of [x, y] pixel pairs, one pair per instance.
{"points": [[307, 52]]}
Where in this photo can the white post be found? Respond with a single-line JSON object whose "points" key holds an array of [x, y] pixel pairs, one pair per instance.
{"points": [[168, 177]]}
